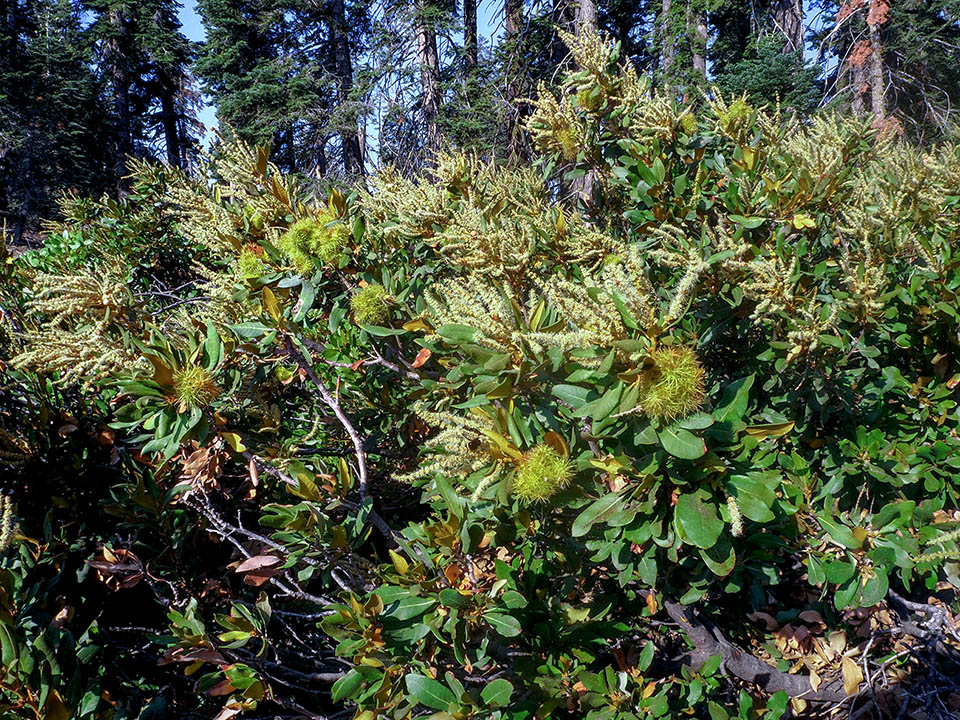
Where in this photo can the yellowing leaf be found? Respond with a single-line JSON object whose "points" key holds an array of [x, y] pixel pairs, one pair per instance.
{"points": [[399, 562], [270, 303], [417, 324], [234, 441], [801, 221], [770, 430], [852, 676]]}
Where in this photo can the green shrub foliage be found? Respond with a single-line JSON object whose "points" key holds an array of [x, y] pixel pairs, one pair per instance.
{"points": [[461, 444]]}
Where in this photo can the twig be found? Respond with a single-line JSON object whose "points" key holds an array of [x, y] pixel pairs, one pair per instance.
{"points": [[332, 403]]}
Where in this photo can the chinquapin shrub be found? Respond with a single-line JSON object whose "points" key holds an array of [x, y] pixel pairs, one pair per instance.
{"points": [[468, 445]]}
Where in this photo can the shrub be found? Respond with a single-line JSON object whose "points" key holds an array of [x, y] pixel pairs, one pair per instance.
{"points": [[718, 387]]}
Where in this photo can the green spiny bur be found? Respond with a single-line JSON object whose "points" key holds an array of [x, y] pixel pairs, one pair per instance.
{"points": [[541, 474], [671, 386], [369, 304]]}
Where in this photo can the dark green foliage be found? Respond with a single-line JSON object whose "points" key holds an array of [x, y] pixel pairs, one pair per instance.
{"points": [[54, 130], [767, 75]]}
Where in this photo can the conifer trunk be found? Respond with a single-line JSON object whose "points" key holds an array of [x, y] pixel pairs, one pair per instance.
{"points": [[429, 76], [349, 137], [877, 101], [169, 119], [513, 21], [788, 18], [561, 17], [586, 17], [697, 31], [120, 80], [470, 46], [666, 40]]}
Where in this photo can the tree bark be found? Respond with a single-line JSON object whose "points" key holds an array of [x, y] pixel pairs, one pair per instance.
{"points": [[788, 18], [562, 17], [429, 76], [470, 46], [513, 22], [349, 136], [666, 40], [709, 641], [877, 100], [697, 18], [586, 17], [117, 60], [169, 118]]}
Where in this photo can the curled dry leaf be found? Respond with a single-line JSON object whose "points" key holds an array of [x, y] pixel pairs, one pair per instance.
{"points": [[852, 676], [117, 569], [258, 569]]}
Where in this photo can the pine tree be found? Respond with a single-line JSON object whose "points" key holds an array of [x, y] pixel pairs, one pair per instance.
{"points": [[53, 123], [898, 60], [146, 60], [425, 18]]}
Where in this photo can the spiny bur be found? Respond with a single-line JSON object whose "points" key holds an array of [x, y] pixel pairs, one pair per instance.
{"points": [[310, 238], [541, 474], [671, 386], [194, 386], [369, 304], [250, 265]]}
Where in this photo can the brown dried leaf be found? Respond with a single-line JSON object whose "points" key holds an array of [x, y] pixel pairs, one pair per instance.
{"points": [[852, 676], [422, 357], [257, 562], [767, 619]]}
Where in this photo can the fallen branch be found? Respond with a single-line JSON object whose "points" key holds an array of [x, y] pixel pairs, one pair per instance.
{"points": [[709, 641]]}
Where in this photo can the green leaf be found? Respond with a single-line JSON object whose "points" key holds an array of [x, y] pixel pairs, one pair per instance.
{"points": [[755, 494], [212, 348], [748, 222], [736, 398], [429, 692], [645, 658], [457, 333], [497, 693], [777, 705], [721, 558], [840, 534], [347, 686], [378, 331], [682, 443], [409, 608], [699, 520], [249, 330], [573, 395], [307, 295], [595, 512], [505, 625], [875, 588]]}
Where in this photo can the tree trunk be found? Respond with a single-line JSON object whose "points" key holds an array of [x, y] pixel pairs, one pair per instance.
{"points": [[349, 137], [788, 18], [877, 101], [513, 22], [429, 76], [666, 41], [561, 16], [586, 17], [169, 118], [698, 41], [120, 79], [470, 46]]}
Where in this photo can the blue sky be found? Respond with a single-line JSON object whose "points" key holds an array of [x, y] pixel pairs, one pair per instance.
{"points": [[489, 21]]}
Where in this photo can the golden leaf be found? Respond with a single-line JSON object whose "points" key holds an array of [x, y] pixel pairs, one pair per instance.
{"points": [[852, 676]]}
